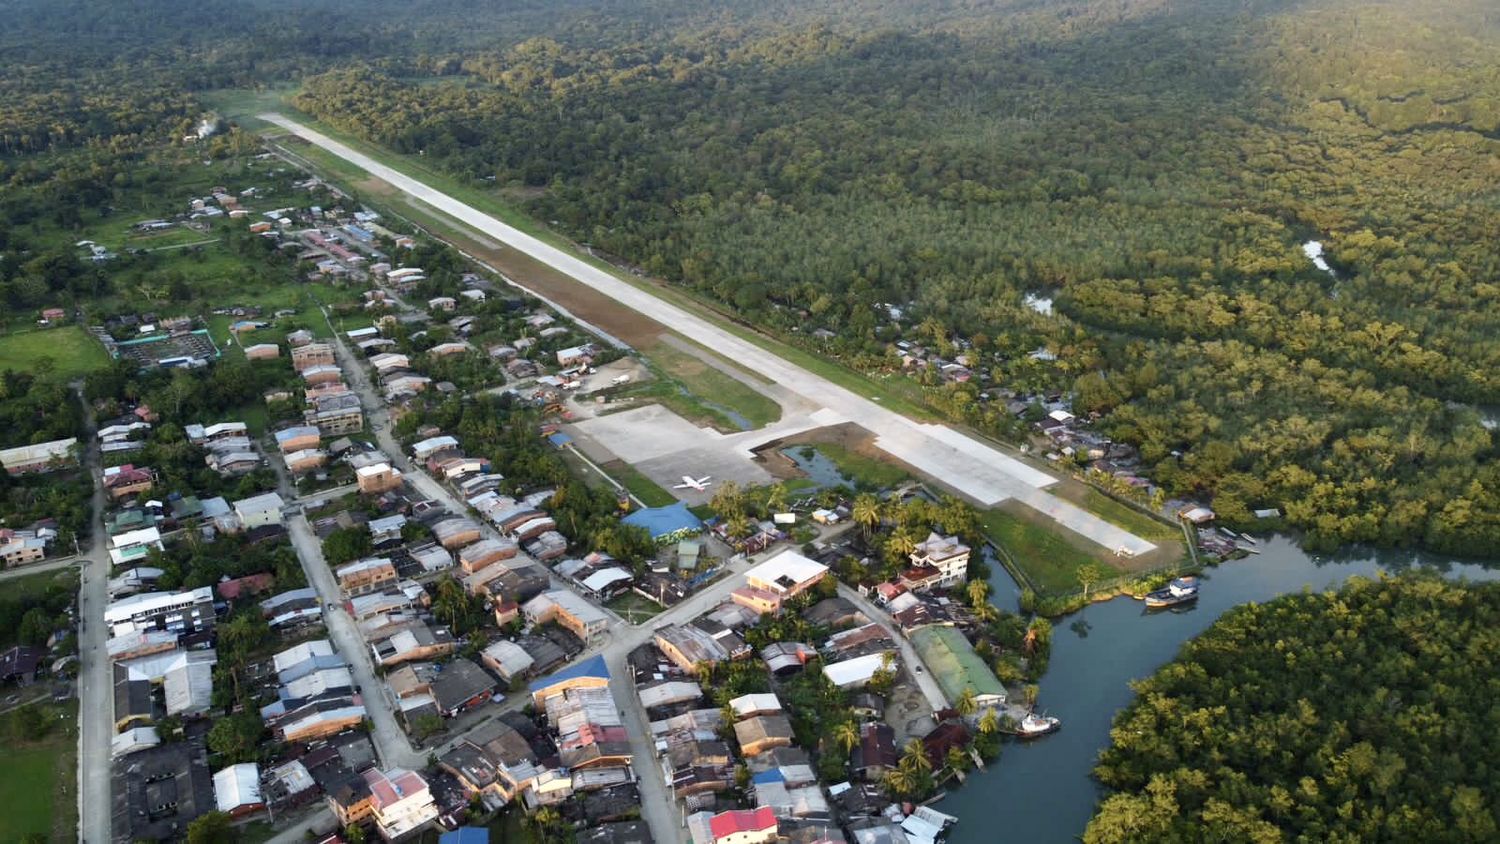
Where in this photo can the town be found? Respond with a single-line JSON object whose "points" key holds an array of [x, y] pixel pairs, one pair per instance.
{"points": [[356, 571]]}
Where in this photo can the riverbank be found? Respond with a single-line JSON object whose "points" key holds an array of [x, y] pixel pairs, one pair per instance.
{"points": [[1043, 789]]}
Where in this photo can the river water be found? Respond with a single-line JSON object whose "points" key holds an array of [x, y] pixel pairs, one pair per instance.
{"points": [[1041, 791]]}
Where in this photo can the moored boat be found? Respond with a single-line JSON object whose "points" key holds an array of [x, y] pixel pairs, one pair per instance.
{"points": [[1034, 725], [1182, 590]]}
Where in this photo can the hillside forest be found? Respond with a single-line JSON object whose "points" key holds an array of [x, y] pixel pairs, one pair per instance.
{"points": [[1153, 167]]}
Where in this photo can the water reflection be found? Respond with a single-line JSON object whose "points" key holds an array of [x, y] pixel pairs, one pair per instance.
{"points": [[1042, 789]]}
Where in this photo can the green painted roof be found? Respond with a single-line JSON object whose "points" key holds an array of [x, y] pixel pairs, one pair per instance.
{"points": [[953, 662]]}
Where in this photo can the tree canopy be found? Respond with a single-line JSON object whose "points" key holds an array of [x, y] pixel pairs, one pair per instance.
{"points": [[1365, 714]]}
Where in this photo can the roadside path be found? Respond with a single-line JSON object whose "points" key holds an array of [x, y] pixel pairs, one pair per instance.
{"points": [[390, 740], [914, 665], [95, 682], [953, 459], [49, 565]]}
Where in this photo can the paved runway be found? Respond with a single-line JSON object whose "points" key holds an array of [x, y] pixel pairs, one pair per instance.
{"points": [[974, 469]]}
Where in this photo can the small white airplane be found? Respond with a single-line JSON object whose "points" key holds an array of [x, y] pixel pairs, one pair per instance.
{"points": [[688, 482]]}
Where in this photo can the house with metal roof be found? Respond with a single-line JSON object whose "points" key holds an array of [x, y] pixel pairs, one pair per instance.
{"points": [[237, 790], [591, 673], [952, 661], [507, 659]]}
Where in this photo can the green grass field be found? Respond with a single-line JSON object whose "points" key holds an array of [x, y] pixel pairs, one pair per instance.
{"points": [[639, 485], [1114, 512], [38, 780], [866, 472], [634, 608], [1049, 559], [709, 384], [68, 351]]}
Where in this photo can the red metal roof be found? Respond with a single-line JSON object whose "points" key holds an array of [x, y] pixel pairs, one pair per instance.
{"points": [[726, 824]]}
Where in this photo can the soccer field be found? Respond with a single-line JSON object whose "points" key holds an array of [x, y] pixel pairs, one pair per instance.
{"points": [[70, 349]]}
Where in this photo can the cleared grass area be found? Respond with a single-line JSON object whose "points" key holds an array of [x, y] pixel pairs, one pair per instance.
{"points": [[634, 608], [675, 398], [1040, 551], [68, 350], [38, 780], [241, 105], [712, 385], [1116, 513], [639, 485], [867, 472]]}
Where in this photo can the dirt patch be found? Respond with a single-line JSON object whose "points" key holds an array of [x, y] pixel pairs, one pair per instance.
{"points": [[375, 187], [521, 193], [630, 326], [848, 435], [908, 712]]}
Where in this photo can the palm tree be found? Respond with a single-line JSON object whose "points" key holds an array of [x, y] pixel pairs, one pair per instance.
{"points": [[956, 759], [866, 513], [899, 782], [989, 722], [1029, 693], [739, 526], [978, 592], [956, 516], [846, 736], [776, 497], [966, 705], [914, 758], [900, 544], [727, 500]]}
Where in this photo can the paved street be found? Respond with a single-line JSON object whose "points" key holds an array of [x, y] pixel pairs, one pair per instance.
{"points": [[95, 684], [953, 459], [391, 742], [925, 681]]}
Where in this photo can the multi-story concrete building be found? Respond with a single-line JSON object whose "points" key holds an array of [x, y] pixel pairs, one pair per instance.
{"points": [[570, 611], [312, 354]]}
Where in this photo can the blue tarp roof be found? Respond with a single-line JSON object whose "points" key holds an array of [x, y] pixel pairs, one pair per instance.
{"points": [[592, 667], [765, 777], [662, 521], [559, 439], [466, 835]]}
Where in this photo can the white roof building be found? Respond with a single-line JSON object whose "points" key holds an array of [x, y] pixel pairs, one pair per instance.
{"points": [[297, 654], [133, 739], [600, 581], [432, 445], [788, 573], [507, 658], [237, 788], [763, 703], [189, 685], [854, 672]]}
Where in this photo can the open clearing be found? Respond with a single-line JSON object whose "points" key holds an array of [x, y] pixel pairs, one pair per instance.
{"points": [[68, 350], [37, 782]]}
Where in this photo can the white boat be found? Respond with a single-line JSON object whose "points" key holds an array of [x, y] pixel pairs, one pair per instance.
{"points": [[1034, 725]]}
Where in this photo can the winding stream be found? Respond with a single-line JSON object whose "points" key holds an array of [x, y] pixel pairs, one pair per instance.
{"points": [[1041, 791]]}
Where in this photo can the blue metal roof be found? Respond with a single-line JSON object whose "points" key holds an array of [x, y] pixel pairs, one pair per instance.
{"points": [[592, 667], [766, 777], [466, 835], [559, 439], [662, 521]]}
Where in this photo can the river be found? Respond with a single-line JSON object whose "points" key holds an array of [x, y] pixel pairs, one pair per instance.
{"points": [[1041, 791]]}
